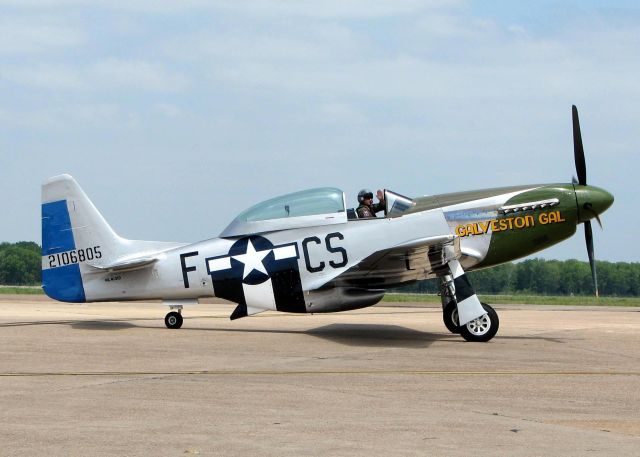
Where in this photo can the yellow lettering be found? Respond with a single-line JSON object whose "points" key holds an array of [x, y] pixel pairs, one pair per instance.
{"points": [[509, 223], [494, 225], [543, 218]]}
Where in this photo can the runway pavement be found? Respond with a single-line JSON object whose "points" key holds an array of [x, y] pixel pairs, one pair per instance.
{"points": [[110, 379]]}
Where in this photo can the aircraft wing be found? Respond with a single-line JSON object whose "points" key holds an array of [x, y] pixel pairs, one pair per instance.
{"points": [[415, 259]]}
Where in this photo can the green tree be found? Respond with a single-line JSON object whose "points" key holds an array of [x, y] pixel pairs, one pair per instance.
{"points": [[549, 277], [19, 265]]}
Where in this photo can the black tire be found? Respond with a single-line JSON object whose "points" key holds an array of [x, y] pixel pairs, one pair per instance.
{"points": [[482, 329], [450, 317], [173, 320]]}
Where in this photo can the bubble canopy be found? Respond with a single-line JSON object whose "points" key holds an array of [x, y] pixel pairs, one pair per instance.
{"points": [[307, 208]]}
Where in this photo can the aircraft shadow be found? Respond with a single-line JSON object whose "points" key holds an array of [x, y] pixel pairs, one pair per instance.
{"points": [[104, 325], [377, 335], [110, 324], [366, 335]]}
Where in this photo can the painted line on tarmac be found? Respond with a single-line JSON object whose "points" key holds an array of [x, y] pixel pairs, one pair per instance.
{"points": [[313, 373]]}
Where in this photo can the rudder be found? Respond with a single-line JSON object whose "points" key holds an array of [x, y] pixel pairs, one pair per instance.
{"points": [[73, 233]]}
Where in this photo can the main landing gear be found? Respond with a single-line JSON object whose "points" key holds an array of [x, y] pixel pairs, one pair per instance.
{"points": [[482, 329]]}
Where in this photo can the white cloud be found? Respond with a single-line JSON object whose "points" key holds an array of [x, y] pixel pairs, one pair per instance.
{"points": [[168, 110], [131, 5], [341, 113], [335, 8], [136, 74], [269, 8], [108, 73], [439, 58], [45, 76], [62, 117], [311, 42], [36, 36]]}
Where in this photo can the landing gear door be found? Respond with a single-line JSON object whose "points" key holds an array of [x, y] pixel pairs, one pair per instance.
{"points": [[396, 204]]}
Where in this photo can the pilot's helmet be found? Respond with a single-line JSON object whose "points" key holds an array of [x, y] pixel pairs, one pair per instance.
{"points": [[364, 194]]}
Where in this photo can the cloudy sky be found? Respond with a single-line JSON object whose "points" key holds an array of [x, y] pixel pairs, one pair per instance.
{"points": [[174, 115]]}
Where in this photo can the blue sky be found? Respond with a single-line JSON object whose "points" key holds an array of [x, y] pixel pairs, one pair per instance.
{"points": [[176, 115]]}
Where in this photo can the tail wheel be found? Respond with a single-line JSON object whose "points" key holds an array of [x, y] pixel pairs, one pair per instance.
{"points": [[450, 317], [483, 328], [173, 320]]}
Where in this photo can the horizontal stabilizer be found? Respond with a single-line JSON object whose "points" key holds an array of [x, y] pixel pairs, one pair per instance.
{"points": [[126, 265]]}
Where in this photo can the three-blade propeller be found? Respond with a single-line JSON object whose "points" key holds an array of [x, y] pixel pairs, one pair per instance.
{"points": [[581, 170]]}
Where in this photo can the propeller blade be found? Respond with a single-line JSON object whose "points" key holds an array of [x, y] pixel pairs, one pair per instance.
{"points": [[589, 207], [599, 221], [578, 149], [588, 235]]}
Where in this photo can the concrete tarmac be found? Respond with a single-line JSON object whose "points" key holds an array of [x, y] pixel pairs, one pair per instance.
{"points": [[109, 379]]}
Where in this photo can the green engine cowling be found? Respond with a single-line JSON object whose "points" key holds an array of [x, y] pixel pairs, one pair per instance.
{"points": [[542, 227]]}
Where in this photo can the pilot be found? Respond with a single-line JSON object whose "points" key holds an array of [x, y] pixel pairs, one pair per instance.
{"points": [[367, 208]]}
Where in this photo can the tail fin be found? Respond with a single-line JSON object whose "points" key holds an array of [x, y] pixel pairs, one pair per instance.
{"points": [[77, 241]]}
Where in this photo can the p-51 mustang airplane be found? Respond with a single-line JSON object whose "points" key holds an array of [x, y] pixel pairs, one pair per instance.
{"points": [[307, 253]]}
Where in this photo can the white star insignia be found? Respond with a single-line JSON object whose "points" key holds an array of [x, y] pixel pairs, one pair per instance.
{"points": [[252, 260]]}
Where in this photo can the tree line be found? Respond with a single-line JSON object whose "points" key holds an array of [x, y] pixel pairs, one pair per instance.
{"points": [[20, 264], [549, 277]]}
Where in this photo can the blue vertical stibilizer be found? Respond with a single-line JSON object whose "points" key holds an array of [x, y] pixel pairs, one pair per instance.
{"points": [[63, 283]]}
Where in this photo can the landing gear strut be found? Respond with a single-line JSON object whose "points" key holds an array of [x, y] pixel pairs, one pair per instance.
{"points": [[174, 318], [449, 304], [481, 329]]}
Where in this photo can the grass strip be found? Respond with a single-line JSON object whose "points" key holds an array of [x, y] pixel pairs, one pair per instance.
{"points": [[523, 299], [21, 290], [392, 297]]}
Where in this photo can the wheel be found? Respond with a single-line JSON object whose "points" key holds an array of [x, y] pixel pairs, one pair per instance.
{"points": [[483, 328], [173, 320], [450, 317]]}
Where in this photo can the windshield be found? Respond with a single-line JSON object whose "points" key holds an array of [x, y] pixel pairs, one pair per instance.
{"points": [[324, 200]]}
